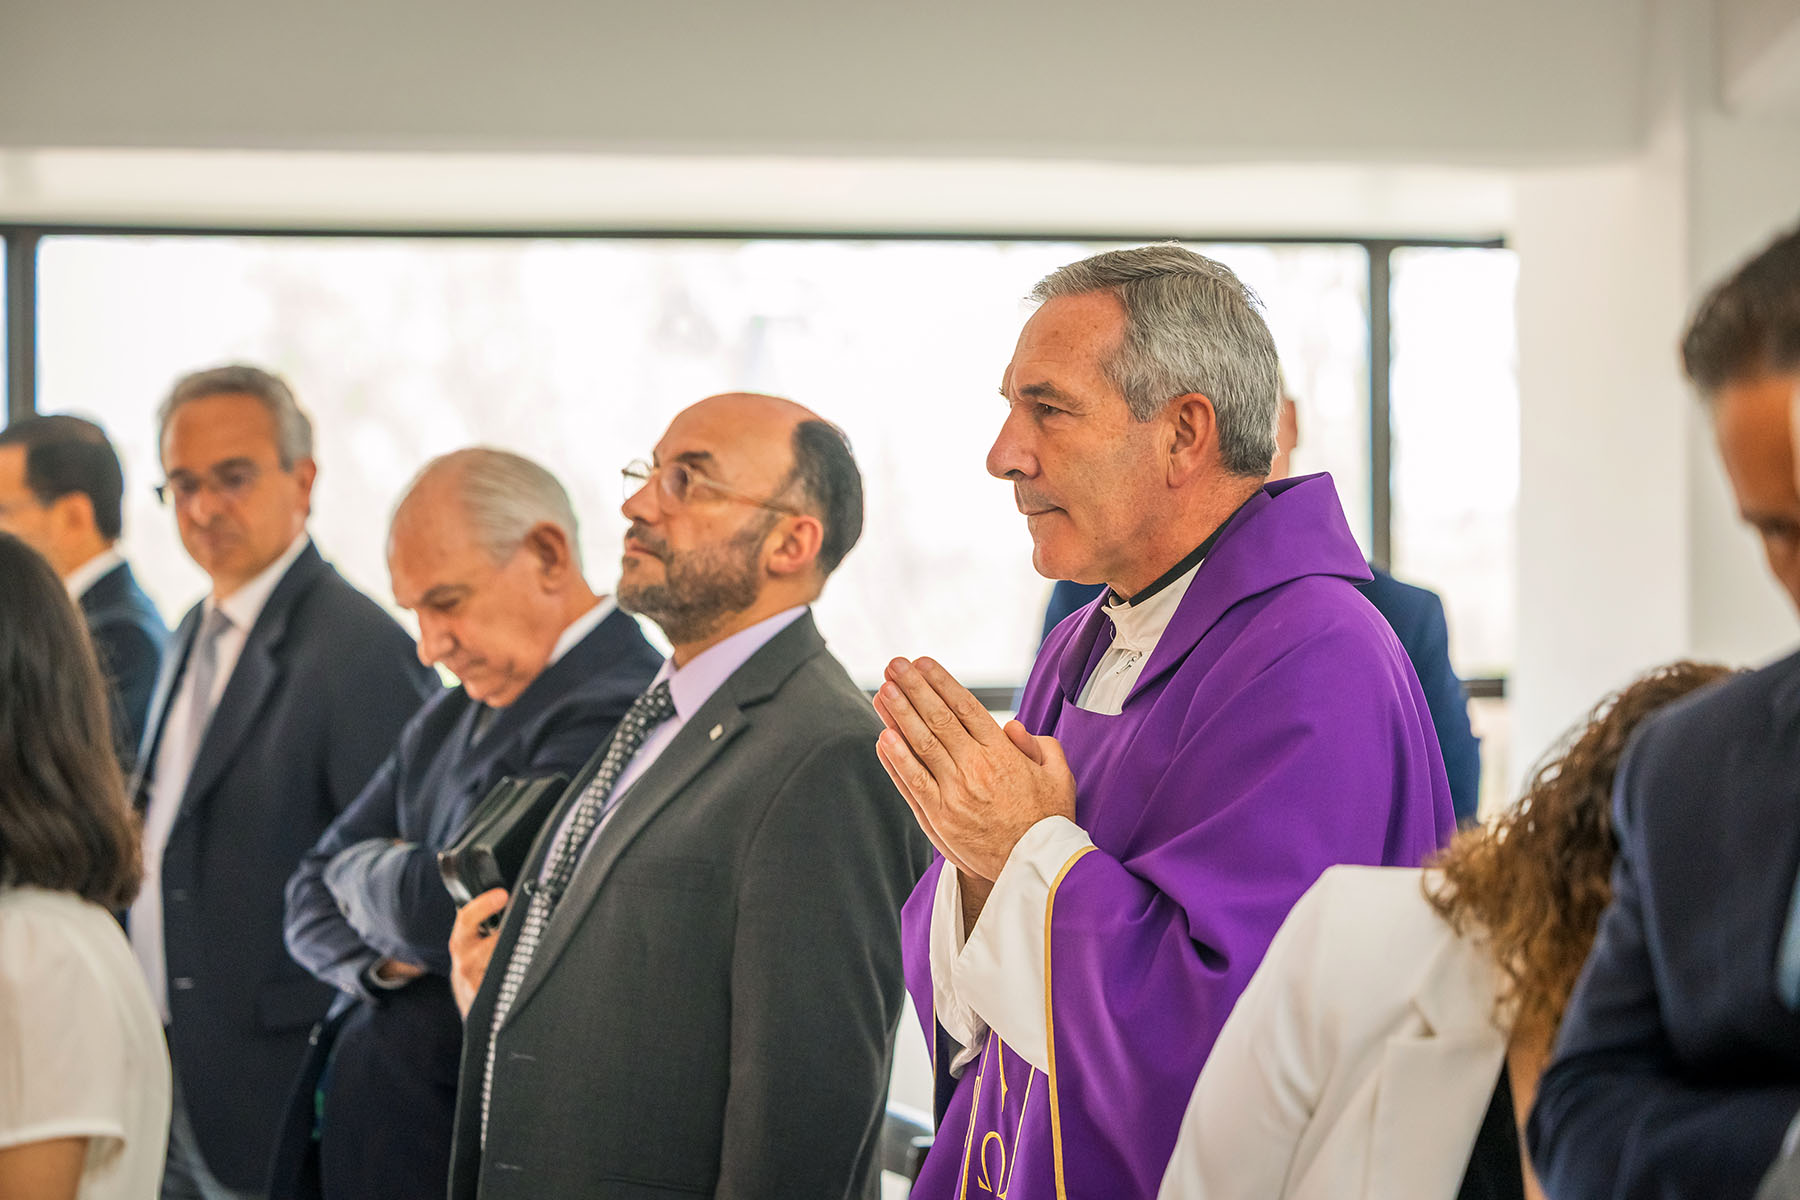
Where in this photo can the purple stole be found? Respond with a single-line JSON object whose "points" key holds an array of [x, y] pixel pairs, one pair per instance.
{"points": [[1277, 729]]}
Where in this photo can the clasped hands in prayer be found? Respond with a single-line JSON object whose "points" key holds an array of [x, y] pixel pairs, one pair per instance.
{"points": [[974, 786]]}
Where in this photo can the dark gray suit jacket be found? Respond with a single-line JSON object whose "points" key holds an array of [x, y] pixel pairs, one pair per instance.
{"points": [[712, 1010]]}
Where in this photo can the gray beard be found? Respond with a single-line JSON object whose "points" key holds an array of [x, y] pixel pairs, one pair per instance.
{"points": [[701, 589]]}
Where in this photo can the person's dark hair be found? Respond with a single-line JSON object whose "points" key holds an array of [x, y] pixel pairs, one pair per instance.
{"points": [[1748, 325], [825, 472], [66, 455], [64, 821], [1530, 886]]}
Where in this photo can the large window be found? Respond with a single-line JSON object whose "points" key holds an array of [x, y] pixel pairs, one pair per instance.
{"points": [[577, 352], [1455, 474]]}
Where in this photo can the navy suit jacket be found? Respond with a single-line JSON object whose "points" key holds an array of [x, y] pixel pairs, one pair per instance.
{"points": [[324, 684], [370, 890], [129, 636], [1678, 1067], [1417, 617]]}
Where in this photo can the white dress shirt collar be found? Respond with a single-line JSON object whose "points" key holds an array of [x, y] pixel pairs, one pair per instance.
{"points": [[90, 572], [245, 605], [579, 628], [1139, 626], [1136, 630]]}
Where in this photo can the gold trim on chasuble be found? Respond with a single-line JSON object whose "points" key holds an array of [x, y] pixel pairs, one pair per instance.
{"points": [[1056, 1155], [994, 1053]]}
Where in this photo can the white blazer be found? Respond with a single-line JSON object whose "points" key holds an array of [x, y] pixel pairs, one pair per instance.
{"points": [[1359, 1062]]}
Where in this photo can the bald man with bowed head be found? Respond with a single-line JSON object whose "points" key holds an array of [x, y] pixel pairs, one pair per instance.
{"points": [[695, 991], [484, 550], [1189, 756]]}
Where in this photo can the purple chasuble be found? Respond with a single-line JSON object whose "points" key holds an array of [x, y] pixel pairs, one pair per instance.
{"points": [[1277, 729]]}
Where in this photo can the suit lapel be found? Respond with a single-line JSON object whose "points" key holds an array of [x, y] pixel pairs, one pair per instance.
{"points": [[172, 667], [1455, 1039], [690, 752], [252, 680], [259, 668]]}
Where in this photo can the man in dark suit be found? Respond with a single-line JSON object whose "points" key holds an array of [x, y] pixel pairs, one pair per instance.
{"points": [[696, 991], [483, 548], [1678, 1065], [62, 491], [1416, 615], [284, 690]]}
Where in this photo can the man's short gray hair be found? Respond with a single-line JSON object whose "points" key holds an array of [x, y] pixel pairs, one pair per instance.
{"points": [[293, 429], [1190, 326], [504, 496]]}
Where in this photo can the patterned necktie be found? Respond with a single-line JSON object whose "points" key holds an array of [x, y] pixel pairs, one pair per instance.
{"points": [[646, 713]]}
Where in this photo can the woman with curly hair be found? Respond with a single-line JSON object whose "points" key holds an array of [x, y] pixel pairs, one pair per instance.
{"points": [[1391, 1042], [84, 1070]]}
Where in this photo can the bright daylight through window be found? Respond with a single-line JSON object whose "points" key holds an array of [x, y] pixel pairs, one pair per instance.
{"points": [[577, 352]]}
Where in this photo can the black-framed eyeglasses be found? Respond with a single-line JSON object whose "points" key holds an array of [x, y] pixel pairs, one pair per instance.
{"points": [[229, 482], [677, 481]]}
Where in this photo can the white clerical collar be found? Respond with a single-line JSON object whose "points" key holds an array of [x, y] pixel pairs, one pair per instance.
{"points": [[1139, 626], [243, 606], [579, 628], [92, 571], [693, 685]]}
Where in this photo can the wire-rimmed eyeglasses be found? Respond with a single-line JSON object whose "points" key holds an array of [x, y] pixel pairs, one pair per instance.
{"points": [[676, 482], [229, 480]]}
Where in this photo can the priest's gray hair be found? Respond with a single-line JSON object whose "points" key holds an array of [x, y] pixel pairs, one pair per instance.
{"points": [[504, 495], [1191, 326]]}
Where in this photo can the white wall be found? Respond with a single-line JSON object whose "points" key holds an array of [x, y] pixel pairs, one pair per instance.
{"points": [[1153, 80], [1746, 185], [1759, 56], [1630, 548], [1603, 432]]}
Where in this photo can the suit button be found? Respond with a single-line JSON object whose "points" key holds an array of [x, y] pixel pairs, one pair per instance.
{"points": [[183, 983], [179, 895]]}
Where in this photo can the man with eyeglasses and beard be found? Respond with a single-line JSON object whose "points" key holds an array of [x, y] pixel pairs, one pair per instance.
{"points": [[281, 693], [695, 990]]}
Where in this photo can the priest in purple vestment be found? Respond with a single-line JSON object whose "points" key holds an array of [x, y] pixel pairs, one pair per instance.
{"points": [[1193, 749]]}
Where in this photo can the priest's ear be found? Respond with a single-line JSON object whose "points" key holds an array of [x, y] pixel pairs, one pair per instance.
{"points": [[1192, 438]]}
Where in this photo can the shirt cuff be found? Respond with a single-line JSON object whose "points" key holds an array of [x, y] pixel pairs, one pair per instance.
{"points": [[956, 1018], [372, 979], [999, 974]]}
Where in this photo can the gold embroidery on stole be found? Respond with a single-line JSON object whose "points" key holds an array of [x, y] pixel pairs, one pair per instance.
{"points": [[1056, 1155]]}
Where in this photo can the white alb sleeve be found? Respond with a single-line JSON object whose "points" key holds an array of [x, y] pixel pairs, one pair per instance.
{"points": [[999, 973]]}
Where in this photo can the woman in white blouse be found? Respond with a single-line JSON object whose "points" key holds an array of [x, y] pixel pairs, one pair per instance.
{"points": [[84, 1070], [1391, 1043]]}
